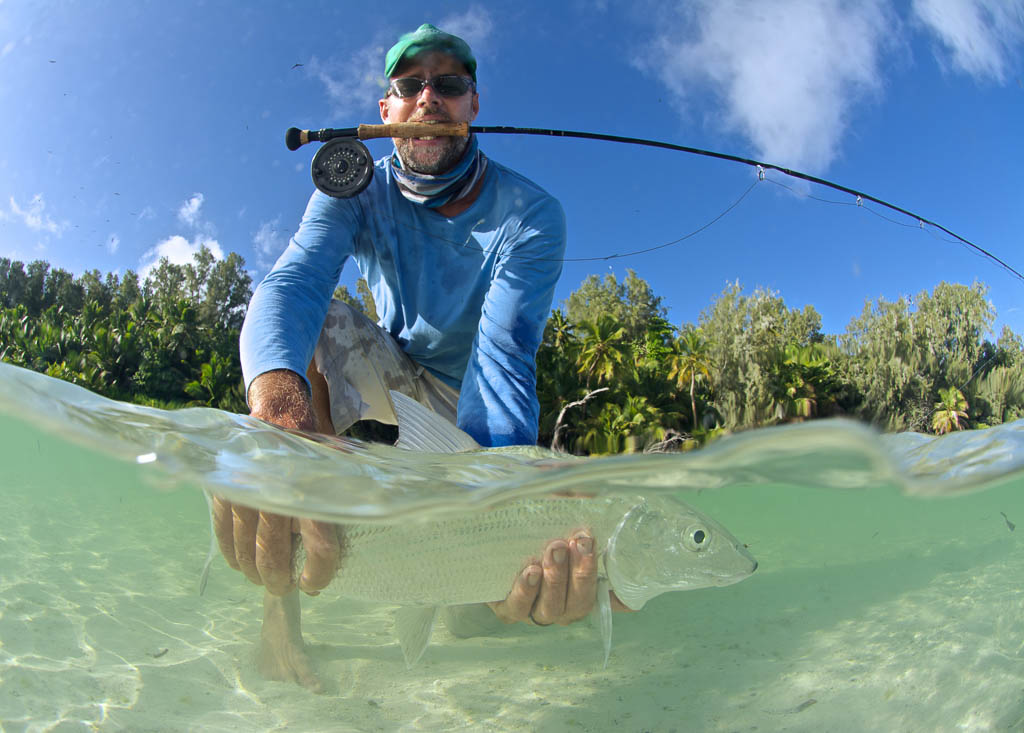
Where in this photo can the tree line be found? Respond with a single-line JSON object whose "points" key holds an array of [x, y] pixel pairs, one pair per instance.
{"points": [[613, 374], [919, 363], [170, 340]]}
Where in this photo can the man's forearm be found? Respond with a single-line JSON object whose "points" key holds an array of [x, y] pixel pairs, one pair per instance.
{"points": [[281, 397]]}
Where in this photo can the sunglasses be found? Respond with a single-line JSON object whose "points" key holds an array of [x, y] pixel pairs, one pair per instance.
{"points": [[447, 85]]}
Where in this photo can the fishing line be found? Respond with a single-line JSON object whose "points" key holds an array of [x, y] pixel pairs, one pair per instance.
{"points": [[343, 167], [600, 258], [931, 231], [801, 194]]}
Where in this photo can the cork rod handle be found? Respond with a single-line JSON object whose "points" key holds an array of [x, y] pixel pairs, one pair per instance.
{"points": [[413, 129]]}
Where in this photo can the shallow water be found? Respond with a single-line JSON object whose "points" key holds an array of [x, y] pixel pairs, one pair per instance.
{"points": [[877, 606]]}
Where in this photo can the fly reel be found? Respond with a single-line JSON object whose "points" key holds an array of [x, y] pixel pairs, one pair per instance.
{"points": [[342, 167]]}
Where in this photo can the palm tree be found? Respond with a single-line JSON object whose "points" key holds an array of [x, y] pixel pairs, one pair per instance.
{"points": [[602, 354], [559, 331], [638, 421], [952, 406], [688, 362], [804, 383]]}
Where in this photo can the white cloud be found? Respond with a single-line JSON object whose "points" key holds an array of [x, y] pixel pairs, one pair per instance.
{"points": [[980, 37], [269, 242], [113, 242], [189, 211], [8, 47], [178, 251], [34, 218], [474, 26], [786, 73], [356, 82]]}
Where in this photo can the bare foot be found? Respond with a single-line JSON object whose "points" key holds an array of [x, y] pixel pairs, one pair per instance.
{"points": [[282, 654]]}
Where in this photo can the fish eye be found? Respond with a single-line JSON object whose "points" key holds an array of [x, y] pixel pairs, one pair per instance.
{"points": [[696, 538]]}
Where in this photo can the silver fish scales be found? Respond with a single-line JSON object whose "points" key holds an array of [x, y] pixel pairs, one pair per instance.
{"points": [[645, 546], [467, 559]]}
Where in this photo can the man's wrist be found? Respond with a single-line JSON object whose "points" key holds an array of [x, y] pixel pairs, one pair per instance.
{"points": [[281, 397]]}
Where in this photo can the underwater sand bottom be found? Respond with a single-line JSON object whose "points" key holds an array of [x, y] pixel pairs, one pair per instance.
{"points": [[897, 625]]}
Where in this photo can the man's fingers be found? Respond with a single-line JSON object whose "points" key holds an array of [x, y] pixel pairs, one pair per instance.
{"points": [[323, 550], [550, 605], [274, 552], [516, 606], [262, 544], [244, 522], [223, 527], [579, 600]]}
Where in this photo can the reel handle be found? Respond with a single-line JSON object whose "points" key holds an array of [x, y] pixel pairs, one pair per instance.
{"points": [[413, 129]]}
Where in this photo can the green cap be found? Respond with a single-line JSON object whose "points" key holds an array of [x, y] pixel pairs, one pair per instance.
{"points": [[429, 38]]}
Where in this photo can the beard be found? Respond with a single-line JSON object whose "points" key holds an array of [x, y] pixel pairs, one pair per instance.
{"points": [[434, 161]]}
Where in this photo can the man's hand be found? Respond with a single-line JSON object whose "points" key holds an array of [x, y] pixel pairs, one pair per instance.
{"points": [[261, 544], [560, 589]]}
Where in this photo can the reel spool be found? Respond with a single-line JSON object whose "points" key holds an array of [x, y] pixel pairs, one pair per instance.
{"points": [[342, 167]]}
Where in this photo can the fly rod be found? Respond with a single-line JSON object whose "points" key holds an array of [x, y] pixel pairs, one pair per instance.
{"points": [[343, 166]]}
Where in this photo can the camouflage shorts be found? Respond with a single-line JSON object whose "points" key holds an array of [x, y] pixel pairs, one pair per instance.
{"points": [[361, 362]]}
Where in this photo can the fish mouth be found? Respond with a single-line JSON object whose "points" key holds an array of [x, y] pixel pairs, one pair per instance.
{"points": [[733, 578]]}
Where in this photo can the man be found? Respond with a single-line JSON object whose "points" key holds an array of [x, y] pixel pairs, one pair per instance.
{"points": [[462, 256]]}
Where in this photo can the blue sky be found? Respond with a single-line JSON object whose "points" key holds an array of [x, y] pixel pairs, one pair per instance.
{"points": [[132, 130]]}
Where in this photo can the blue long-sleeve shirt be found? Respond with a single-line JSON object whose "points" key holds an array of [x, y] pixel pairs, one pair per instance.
{"points": [[466, 297]]}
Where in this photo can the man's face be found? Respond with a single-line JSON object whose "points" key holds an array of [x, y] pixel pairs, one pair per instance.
{"points": [[439, 154]]}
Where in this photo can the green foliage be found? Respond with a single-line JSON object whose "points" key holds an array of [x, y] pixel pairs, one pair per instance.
{"points": [[688, 363], [900, 354], [613, 374], [748, 336], [753, 361], [622, 427], [602, 355], [632, 303], [998, 396], [949, 411], [804, 382], [362, 301], [172, 340]]}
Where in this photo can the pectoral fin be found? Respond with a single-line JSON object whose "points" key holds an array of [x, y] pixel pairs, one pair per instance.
{"points": [[413, 625], [604, 616]]}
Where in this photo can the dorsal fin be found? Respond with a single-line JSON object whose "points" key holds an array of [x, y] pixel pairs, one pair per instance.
{"points": [[422, 429]]}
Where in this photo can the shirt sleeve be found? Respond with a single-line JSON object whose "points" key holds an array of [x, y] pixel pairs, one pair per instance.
{"points": [[287, 310], [498, 401]]}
